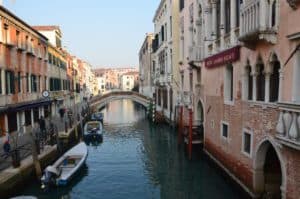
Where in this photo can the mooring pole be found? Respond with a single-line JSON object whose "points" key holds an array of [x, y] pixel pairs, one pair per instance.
{"points": [[35, 158], [180, 125], [190, 133]]}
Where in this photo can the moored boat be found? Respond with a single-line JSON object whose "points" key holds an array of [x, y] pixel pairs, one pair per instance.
{"points": [[97, 117], [93, 130], [61, 172]]}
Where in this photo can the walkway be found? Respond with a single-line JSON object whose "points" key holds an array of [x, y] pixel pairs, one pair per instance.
{"points": [[24, 140]]}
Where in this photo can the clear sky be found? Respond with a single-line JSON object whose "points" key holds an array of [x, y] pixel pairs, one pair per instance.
{"points": [[102, 32]]}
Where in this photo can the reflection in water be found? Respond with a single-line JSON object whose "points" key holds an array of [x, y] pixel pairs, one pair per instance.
{"points": [[139, 160]]}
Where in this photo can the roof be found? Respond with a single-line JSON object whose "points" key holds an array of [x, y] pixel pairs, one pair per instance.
{"points": [[41, 28]]}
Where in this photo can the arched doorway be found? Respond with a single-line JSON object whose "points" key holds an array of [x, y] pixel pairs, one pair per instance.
{"points": [[268, 176], [200, 112]]}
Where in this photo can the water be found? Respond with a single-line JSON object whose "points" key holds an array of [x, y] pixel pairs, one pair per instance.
{"points": [[138, 160]]}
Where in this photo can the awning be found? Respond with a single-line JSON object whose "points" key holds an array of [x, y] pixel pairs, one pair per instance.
{"points": [[27, 105]]}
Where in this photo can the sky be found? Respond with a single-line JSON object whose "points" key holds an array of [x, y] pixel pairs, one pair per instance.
{"points": [[106, 33]]}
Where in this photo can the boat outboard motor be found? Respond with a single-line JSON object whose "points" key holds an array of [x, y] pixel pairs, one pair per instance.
{"points": [[49, 177]]}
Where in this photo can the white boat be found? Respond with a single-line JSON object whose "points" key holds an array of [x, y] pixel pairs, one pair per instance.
{"points": [[93, 129], [66, 166], [24, 197]]}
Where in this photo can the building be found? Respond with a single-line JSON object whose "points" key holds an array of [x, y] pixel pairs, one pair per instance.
{"points": [[127, 81], [249, 71], [165, 59], [59, 84], [236, 74], [23, 69], [145, 67], [112, 77], [101, 80]]}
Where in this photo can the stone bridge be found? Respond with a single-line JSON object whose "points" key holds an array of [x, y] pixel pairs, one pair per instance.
{"points": [[100, 101]]}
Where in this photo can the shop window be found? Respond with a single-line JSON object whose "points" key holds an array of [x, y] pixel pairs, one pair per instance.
{"points": [[12, 122], [247, 142], [228, 83], [27, 117], [36, 115], [224, 129]]}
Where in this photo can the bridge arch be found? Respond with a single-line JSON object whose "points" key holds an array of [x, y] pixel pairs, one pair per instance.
{"points": [[100, 101]]}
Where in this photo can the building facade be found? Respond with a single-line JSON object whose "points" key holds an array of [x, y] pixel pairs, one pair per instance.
{"points": [[126, 82], [238, 74], [145, 67], [24, 75], [165, 60]]}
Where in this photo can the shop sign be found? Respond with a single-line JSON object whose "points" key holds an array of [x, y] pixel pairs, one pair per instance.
{"points": [[225, 57]]}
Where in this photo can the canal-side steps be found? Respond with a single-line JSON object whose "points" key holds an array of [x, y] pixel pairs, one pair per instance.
{"points": [[11, 178]]}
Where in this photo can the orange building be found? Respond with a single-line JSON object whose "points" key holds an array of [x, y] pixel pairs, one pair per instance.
{"points": [[23, 68]]}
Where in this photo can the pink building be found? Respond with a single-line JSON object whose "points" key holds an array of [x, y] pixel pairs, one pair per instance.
{"points": [[240, 76]]}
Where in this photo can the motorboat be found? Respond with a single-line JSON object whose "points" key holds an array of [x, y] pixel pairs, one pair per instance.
{"points": [[97, 117], [61, 172], [24, 197], [93, 129]]}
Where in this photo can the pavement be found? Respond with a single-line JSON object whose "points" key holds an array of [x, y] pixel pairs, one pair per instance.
{"points": [[25, 139]]}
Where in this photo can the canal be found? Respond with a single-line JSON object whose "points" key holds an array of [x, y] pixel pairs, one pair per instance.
{"points": [[139, 160]]}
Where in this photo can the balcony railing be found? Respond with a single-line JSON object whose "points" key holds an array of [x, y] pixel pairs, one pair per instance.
{"points": [[255, 22], [288, 125]]}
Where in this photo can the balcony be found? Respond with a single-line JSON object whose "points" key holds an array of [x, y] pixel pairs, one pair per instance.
{"points": [[195, 53], [256, 22], [293, 3], [288, 125]]}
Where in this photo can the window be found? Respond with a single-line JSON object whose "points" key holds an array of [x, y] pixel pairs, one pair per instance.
{"points": [[247, 142], [260, 83], [9, 82], [165, 98], [238, 7], [159, 98], [181, 4], [249, 82], [224, 130], [227, 16], [33, 83], [274, 82], [228, 83], [27, 82], [19, 82], [191, 80], [170, 26], [273, 16]]}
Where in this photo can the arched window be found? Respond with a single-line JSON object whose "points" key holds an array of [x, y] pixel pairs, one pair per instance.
{"points": [[260, 82], [274, 80], [249, 82]]}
